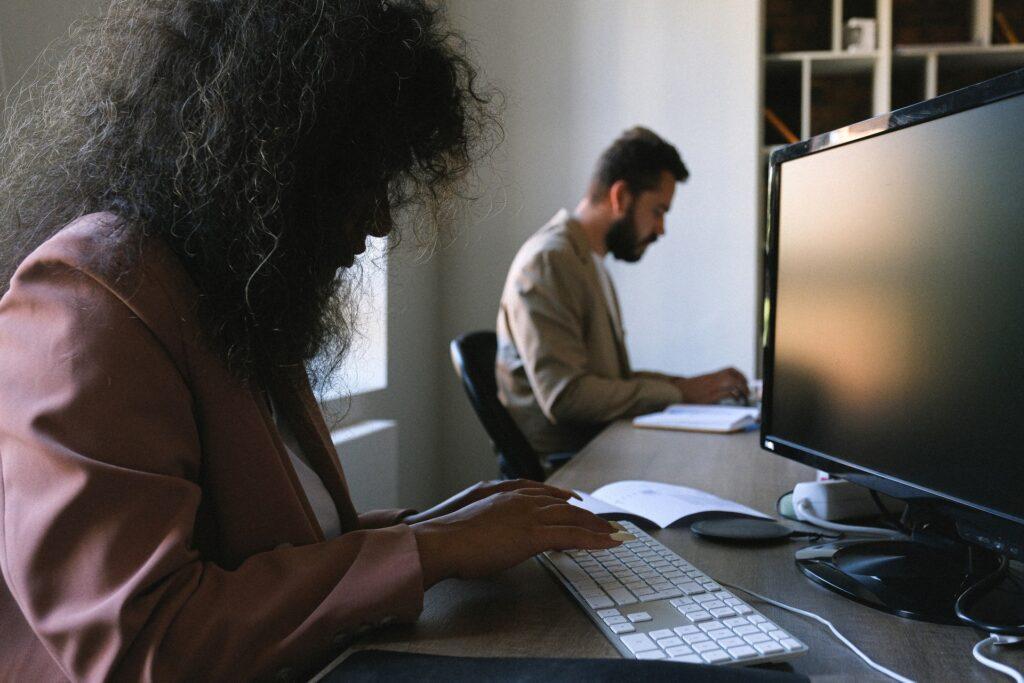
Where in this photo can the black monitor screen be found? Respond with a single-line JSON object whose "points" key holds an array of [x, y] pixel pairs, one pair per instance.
{"points": [[899, 306]]}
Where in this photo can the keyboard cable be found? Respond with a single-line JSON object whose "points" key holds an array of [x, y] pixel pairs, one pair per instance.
{"points": [[846, 641]]}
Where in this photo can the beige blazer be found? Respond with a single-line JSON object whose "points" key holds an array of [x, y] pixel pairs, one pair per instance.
{"points": [[153, 528], [562, 370]]}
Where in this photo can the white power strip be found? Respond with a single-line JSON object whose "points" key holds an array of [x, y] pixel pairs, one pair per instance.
{"points": [[832, 499]]}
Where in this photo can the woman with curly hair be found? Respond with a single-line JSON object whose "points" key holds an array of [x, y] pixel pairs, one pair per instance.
{"points": [[179, 217]]}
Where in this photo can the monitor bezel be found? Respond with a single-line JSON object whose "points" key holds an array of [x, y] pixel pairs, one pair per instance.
{"points": [[986, 92]]}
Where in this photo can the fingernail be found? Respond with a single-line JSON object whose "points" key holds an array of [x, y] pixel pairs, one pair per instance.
{"points": [[616, 525], [623, 536]]}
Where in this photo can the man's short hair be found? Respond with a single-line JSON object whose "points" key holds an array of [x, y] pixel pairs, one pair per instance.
{"points": [[638, 157]]}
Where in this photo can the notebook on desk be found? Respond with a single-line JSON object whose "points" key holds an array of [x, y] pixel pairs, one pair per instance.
{"points": [[701, 418]]}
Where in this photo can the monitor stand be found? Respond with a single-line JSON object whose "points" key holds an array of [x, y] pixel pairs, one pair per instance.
{"points": [[908, 578]]}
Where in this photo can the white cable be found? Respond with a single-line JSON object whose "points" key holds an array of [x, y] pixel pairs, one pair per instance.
{"points": [[870, 662], [991, 663], [806, 514]]}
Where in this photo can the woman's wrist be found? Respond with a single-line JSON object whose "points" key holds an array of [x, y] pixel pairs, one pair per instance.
{"points": [[435, 556]]}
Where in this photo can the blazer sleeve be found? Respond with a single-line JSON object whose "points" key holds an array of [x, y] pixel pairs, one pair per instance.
{"points": [[546, 320], [100, 459]]}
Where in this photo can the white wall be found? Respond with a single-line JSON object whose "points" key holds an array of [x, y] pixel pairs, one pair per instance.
{"points": [[577, 73]]}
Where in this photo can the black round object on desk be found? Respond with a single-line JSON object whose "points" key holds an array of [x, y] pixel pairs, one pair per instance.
{"points": [[741, 530]]}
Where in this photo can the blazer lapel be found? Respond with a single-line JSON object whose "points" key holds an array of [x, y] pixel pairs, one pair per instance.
{"points": [[296, 401]]}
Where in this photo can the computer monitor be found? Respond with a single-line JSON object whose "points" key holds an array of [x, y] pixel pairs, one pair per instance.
{"points": [[894, 335]]}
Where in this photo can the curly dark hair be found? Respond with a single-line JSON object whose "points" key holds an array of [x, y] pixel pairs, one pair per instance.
{"points": [[638, 156], [262, 141]]}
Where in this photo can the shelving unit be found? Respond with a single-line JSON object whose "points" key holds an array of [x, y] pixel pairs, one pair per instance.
{"points": [[923, 48]]}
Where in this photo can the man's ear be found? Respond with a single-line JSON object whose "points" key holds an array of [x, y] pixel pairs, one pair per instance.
{"points": [[620, 197]]}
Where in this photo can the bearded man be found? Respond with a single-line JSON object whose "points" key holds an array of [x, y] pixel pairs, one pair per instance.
{"points": [[562, 368]]}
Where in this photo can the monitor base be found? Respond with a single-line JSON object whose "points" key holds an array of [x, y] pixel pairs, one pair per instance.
{"points": [[906, 578]]}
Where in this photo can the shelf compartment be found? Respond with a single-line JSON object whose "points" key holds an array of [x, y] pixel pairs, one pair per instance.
{"points": [[839, 97], [798, 25], [930, 22], [1007, 21], [782, 97], [961, 70], [909, 81]]}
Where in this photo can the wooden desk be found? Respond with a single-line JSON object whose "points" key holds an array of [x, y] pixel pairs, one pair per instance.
{"points": [[524, 612]]}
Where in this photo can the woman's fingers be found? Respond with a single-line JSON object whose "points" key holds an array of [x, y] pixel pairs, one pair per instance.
{"points": [[565, 514], [573, 537], [529, 485]]}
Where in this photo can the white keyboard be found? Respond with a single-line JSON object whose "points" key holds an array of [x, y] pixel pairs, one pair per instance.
{"points": [[652, 604]]}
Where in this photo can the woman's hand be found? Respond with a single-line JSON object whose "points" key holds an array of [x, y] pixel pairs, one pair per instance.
{"points": [[483, 490], [505, 528]]}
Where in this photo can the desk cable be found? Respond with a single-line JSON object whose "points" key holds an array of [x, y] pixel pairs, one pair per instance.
{"points": [[999, 634], [846, 641], [807, 515]]}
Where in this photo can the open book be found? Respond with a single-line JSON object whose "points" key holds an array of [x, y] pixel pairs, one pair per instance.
{"points": [[701, 418], [650, 502]]}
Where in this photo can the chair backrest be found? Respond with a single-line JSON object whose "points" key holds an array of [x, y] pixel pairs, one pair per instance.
{"points": [[473, 357]]}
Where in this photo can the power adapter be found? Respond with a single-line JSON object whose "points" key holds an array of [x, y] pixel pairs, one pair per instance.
{"points": [[832, 499]]}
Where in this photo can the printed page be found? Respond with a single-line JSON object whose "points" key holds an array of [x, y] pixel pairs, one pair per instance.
{"points": [[665, 504], [606, 510]]}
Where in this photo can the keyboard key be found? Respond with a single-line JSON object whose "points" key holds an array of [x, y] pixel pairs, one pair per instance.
{"points": [[778, 635], [599, 601], [735, 621], [686, 609], [691, 588], [621, 596], [727, 642], [712, 604], [743, 609], [756, 619], [686, 630], [706, 597], [622, 628], [698, 617], [704, 646], [651, 654], [719, 633], [666, 643], [720, 612], [742, 652], [607, 613], [767, 626], [711, 626], [680, 650], [638, 642], [661, 633], [756, 638], [790, 644], [615, 620], [639, 616], [693, 638], [769, 648], [746, 630], [716, 656]]}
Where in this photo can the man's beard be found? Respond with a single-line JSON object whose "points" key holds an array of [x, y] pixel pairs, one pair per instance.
{"points": [[622, 239]]}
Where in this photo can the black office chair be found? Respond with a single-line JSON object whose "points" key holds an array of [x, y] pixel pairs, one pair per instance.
{"points": [[473, 357]]}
